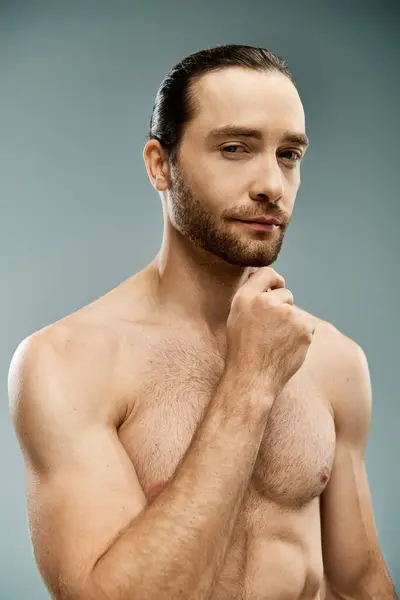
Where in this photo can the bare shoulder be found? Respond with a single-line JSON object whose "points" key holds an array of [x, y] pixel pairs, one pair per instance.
{"points": [[340, 366], [92, 354], [72, 340], [72, 361], [337, 355]]}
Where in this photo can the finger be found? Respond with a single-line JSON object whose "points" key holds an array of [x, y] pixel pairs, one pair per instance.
{"points": [[310, 321], [279, 296], [262, 280]]}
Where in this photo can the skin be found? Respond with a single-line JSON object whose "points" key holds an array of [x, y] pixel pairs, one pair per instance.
{"points": [[107, 401]]}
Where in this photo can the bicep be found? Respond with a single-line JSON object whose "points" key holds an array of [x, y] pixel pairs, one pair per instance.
{"points": [[82, 489]]}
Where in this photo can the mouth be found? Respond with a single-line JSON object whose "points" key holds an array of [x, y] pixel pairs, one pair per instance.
{"points": [[262, 224]]}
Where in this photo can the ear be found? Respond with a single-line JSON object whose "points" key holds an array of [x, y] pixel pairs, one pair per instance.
{"points": [[157, 165]]}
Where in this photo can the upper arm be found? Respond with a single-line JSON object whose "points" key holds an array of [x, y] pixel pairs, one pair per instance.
{"points": [[82, 489], [348, 529]]}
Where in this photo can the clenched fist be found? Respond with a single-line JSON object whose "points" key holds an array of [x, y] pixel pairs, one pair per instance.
{"points": [[267, 336]]}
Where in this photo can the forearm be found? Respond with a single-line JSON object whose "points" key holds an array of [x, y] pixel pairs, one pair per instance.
{"points": [[176, 547]]}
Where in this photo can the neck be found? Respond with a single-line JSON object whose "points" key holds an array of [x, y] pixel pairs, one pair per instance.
{"points": [[193, 283]]}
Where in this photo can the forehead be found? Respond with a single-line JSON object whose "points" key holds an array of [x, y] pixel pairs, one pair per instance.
{"points": [[267, 100]]}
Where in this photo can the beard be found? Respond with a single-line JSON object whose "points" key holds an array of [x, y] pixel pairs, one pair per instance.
{"points": [[191, 218]]}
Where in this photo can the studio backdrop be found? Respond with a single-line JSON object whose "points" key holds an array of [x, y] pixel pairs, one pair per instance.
{"points": [[78, 215]]}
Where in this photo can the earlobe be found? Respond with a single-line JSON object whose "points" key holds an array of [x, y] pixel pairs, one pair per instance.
{"points": [[156, 162], [161, 184]]}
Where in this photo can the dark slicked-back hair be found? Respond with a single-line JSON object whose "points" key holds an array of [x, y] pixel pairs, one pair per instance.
{"points": [[175, 103]]}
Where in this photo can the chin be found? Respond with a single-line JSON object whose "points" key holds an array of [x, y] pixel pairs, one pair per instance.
{"points": [[260, 258], [240, 252], [256, 261]]}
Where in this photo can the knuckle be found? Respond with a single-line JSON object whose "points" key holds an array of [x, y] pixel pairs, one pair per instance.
{"points": [[286, 310], [304, 330], [290, 297], [297, 320], [273, 273], [263, 300], [307, 337], [239, 301], [268, 300]]}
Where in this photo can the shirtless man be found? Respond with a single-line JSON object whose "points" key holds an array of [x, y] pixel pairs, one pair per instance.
{"points": [[194, 434]]}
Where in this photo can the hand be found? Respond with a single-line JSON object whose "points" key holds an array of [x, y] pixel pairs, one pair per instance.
{"points": [[267, 336]]}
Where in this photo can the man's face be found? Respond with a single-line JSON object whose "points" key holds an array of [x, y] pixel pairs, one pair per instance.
{"points": [[223, 178]]}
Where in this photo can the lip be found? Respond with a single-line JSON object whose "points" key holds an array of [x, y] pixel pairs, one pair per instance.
{"points": [[264, 221], [257, 226]]}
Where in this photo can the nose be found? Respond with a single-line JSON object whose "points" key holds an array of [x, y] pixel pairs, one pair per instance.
{"points": [[269, 183]]}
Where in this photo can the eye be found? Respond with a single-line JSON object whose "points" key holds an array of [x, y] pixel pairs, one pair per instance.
{"points": [[291, 155], [232, 148]]}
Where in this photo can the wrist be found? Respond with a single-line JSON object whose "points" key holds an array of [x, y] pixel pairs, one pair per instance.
{"points": [[249, 391]]}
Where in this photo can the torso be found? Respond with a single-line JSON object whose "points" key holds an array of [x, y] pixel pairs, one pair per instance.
{"points": [[275, 553]]}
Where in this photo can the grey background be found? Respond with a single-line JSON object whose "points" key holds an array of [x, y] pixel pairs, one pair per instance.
{"points": [[78, 214]]}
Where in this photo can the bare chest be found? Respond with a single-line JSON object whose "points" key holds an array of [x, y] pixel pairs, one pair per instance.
{"points": [[178, 383]]}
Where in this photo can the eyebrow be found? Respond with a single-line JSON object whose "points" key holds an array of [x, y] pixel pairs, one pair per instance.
{"points": [[249, 132]]}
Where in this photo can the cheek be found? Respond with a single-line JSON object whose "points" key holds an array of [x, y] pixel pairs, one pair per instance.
{"points": [[227, 183], [214, 185]]}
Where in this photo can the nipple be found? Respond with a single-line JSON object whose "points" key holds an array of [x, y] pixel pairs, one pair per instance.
{"points": [[325, 475]]}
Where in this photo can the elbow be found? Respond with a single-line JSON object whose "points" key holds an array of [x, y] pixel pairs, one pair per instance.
{"points": [[84, 588], [103, 583], [371, 584]]}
